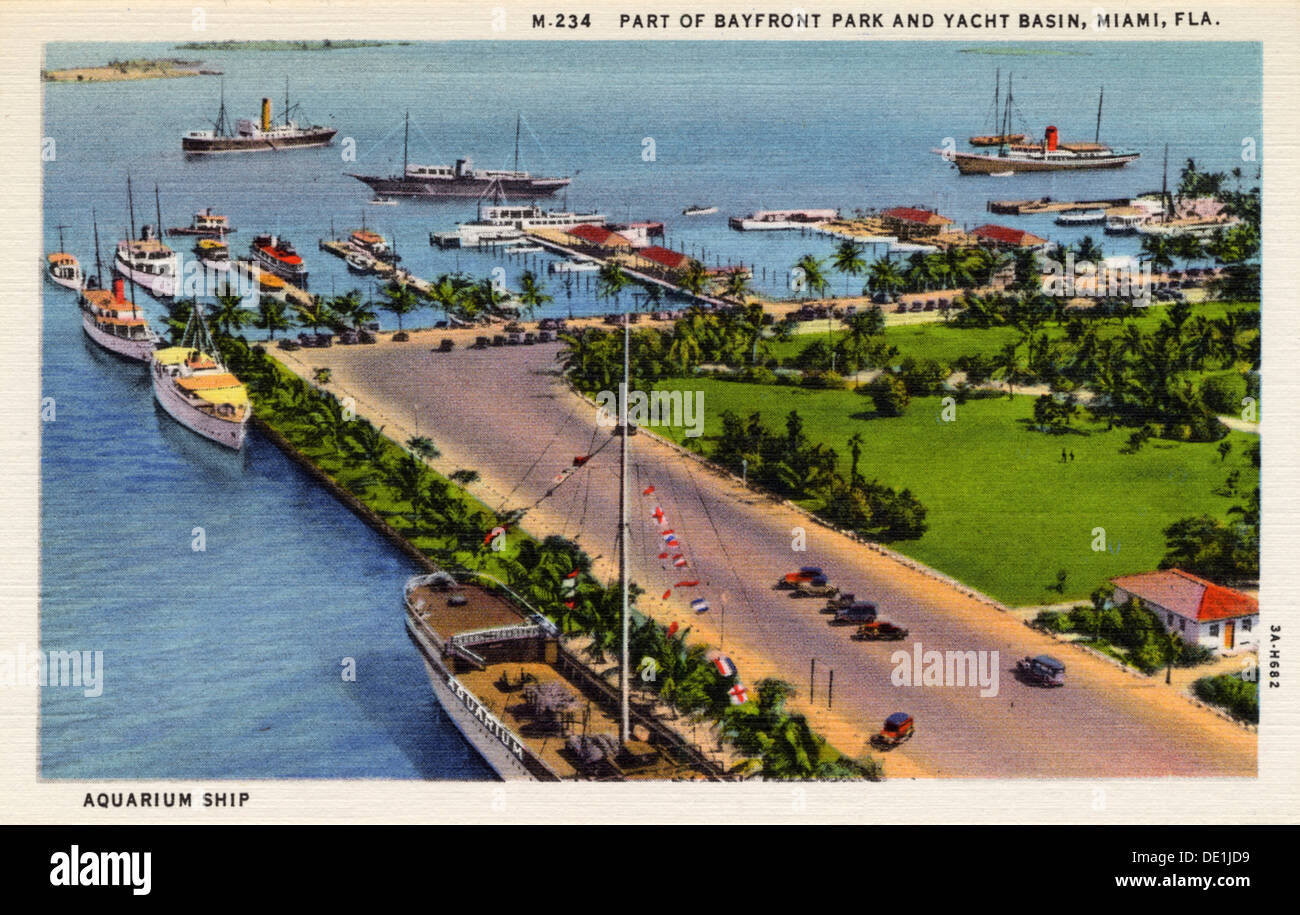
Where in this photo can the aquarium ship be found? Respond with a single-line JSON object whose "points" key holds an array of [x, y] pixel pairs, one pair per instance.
{"points": [[524, 698], [462, 179], [197, 390], [261, 135]]}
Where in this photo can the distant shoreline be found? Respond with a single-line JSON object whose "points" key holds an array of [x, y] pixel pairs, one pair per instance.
{"points": [[324, 45], [124, 70]]}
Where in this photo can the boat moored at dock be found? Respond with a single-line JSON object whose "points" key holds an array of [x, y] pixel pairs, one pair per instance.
{"points": [[278, 255], [206, 224], [532, 709], [1081, 218], [148, 262], [776, 220], [116, 323], [197, 390], [63, 269]]}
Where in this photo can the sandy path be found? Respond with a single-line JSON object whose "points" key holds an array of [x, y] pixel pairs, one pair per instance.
{"points": [[505, 413]]}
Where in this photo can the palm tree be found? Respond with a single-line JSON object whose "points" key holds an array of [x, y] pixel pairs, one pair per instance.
{"points": [[1157, 250], [352, 309], [684, 352], [315, 313], [447, 292], [849, 261], [883, 276], [423, 446], [532, 294], [401, 300], [272, 316], [856, 444], [611, 281], [693, 278], [1088, 250], [812, 274], [737, 286], [228, 316]]}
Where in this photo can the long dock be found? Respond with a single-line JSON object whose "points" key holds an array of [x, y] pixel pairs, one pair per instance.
{"points": [[1047, 205], [556, 248]]}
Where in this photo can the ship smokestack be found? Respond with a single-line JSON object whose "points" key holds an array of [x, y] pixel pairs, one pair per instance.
{"points": [[1051, 139], [119, 290], [266, 114]]}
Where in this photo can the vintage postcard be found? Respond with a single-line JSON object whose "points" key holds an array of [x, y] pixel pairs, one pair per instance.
{"points": [[844, 403]]}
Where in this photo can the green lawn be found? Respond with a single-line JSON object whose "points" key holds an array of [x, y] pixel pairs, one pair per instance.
{"points": [[1004, 512], [945, 342]]}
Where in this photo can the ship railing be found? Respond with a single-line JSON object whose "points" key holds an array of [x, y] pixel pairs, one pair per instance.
{"points": [[497, 634]]}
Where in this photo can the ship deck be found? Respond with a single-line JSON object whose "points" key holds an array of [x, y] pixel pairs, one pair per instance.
{"points": [[500, 687], [482, 610]]}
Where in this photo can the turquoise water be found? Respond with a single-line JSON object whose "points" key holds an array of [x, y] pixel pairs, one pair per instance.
{"points": [[227, 662]]}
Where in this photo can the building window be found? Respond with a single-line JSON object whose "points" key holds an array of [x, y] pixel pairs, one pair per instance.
{"points": [[1245, 625], [1169, 619], [1214, 630], [1182, 625]]}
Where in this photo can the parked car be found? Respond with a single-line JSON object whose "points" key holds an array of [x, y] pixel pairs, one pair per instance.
{"points": [[862, 611], [544, 336], [480, 343], [498, 339], [447, 345], [805, 573], [880, 631], [818, 586], [618, 429], [514, 338], [530, 338], [1043, 670]]}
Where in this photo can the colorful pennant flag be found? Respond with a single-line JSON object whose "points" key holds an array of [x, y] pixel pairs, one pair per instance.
{"points": [[672, 628], [658, 514], [667, 593], [647, 490], [724, 665], [739, 695], [688, 583], [700, 605], [679, 561]]}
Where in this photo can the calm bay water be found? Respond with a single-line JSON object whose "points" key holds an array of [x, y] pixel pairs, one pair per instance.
{"points": [[227, 661]]}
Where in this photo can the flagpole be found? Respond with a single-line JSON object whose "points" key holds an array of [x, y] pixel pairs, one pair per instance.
{"points": [[624, 725]]}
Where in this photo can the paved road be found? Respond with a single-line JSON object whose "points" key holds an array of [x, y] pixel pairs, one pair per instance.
{"points": [[505, 413]]}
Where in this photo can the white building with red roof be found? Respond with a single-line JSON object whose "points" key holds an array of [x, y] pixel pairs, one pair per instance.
{"points": [[1200, 611]]}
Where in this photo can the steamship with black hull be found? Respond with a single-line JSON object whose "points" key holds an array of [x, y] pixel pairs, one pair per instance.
{"points": [[249, 135], [462, 179]]}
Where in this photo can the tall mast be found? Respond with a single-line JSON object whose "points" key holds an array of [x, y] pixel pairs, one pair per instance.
{"points": [[997, 99], [60, 228], [1097, 137], [517, 120], [130, 207], [406, 136], [1006, 117], [99, 267], [286, 100], [157, 229], [1164, 188], [625, 732]]}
